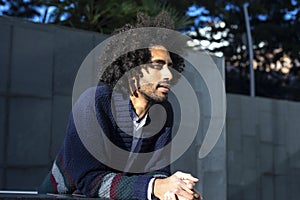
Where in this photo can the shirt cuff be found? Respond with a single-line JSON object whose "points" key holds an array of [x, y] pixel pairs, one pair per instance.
{"points": [[150, 189]]}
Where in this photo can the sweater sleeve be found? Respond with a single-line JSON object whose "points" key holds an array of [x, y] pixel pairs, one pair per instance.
{"points": [[75, 166]]}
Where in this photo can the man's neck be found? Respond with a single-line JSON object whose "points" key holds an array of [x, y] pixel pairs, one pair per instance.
{"points": [[140, 104]]}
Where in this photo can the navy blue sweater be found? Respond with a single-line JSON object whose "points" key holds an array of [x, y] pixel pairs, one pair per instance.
{"points": [[97, 159]]}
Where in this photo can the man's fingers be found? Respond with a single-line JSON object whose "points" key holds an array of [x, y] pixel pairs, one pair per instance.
{"points": [[178, 186], [186, 187], [189, 184], [183, 191], [190, 178], [190, 188], [184, 195], [173, 196], [197, 195], [169, 196], [185, 176]]}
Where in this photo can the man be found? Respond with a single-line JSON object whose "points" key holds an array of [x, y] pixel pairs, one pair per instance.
{"points": [[145, 75]]}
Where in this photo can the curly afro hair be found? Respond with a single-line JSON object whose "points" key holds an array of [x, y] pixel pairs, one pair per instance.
{"points": [[126, 62]]}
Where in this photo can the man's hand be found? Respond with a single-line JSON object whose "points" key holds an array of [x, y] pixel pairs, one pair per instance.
{"points": [[179, 184]]}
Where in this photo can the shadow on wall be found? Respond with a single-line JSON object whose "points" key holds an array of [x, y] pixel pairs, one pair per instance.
{"points": [[38, 67]]}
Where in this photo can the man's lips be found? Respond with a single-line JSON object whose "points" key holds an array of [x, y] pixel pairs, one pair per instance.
{"points": [[163, 88]]}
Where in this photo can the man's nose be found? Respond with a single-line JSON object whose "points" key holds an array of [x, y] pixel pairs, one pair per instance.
{"points": [[166, 73]]}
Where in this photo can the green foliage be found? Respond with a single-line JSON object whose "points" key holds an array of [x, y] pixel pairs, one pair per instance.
{"points": [[107, 15], [95, 15]]}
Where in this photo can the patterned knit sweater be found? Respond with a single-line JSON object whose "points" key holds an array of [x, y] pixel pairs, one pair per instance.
{"points": [[77, 170]]}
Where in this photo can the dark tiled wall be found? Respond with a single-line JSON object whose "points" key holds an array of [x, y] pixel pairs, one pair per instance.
{"points": [[38, 67], [263, 151]]}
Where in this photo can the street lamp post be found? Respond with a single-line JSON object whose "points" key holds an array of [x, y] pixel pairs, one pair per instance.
{"points": [[250, 50]]}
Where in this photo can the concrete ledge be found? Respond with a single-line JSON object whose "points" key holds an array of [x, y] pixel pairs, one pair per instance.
{"points": [[4, 195]]}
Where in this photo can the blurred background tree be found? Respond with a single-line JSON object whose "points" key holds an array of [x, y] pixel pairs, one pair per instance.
{"points": [[20, 8], [107, 15], [275, 25], [216, 26], [95, 15]]}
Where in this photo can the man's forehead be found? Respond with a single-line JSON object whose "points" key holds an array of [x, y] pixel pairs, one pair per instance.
{"points": [[158, 47], [159, 52]]}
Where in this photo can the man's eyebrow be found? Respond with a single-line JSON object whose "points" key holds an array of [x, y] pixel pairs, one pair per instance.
{"points": [[160, 61]]}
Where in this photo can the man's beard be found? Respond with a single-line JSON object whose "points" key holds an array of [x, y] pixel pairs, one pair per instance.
{"points": [[149, 92]]}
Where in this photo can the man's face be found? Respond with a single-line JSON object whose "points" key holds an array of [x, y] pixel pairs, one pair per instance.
{"points": [[155, 83]]}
